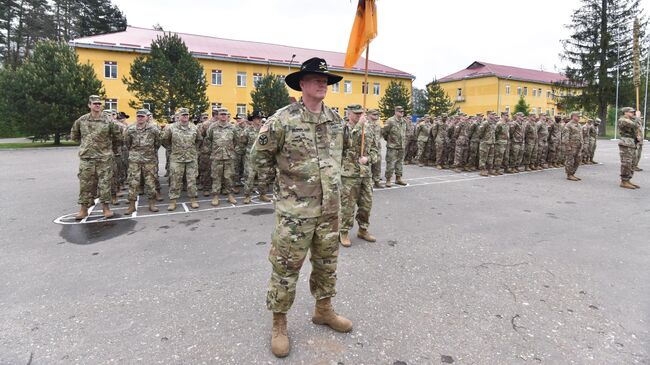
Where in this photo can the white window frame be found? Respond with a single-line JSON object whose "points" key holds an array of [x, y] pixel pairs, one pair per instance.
{"points": [[364, 88], [257, 77], [376, 88], [336, 88], [539, 92], [217, 78], [518, 90], [347, 86], [111, 67], [110, 104], [459, 91], [548, 94], [146, 105], [534, 92], [241, 109], [525, 90], [215, 105], [241, 79], [507, 89], [508, 109]]}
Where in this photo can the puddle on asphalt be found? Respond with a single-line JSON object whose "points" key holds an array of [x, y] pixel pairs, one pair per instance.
{"points": [[87, 234], [259, 211]]}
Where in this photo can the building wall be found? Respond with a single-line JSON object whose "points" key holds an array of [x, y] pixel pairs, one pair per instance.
{"points": [[228, 94], [491, 94]]}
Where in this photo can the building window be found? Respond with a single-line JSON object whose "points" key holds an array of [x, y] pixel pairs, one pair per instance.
{"points": [[216, 77], [508, 109], [336, 109], [507, 89], [525, 90], [534, 92], [539, 92], [147, 105], [376, 89], [110, 104], [110, 70], [241, 79], [364, 89], [553, 111], [215, 105], [347, 87], [257, 77], [548, 94], [459, 92], [241, 108], [336, 87], [518, 90], [281, 77]]}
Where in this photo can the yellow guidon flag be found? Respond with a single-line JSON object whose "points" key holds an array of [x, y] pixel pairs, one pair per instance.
{"points": [[364, 30]]}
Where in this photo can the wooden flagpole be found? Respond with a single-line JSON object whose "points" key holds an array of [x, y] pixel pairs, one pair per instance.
{"points": [[365, 94]]}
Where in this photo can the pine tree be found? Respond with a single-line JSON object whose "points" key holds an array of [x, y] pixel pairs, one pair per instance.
{"points": [[269, 95], [601, 40], [522, 106], [48, 91], [438, 99], [99, 17], [396, 94], [168, 78], [421, 102]]}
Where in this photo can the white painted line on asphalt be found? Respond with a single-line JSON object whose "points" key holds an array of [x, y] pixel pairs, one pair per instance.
{"points": [[187, 210]]}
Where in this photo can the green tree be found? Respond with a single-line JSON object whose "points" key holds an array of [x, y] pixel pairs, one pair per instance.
{"points": [[396, 94], [522, 106], [48, 91], [168, 78], [438, 100], [421, 102], [270, 94]]}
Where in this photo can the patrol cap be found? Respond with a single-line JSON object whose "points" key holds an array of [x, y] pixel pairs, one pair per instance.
{"points": [[576, 113], [519, 114], [183, 111], [141, 113], [373, 111], [94, 99], [148, 112], [399, 108], [627, 109], [204, 115], [223, 111], [597, 121], [504, 113], [356, 108]]}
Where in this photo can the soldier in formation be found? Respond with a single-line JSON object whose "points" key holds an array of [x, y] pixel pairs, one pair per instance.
{"points": [[396, 134], [142, 140], [630, 137]]}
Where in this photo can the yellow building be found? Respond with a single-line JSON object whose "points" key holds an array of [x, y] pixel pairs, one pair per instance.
{"points": [[231, 68], [483, 87]]}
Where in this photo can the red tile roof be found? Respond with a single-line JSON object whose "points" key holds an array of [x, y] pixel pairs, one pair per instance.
{"points": [[139, 39], [483, 69]]}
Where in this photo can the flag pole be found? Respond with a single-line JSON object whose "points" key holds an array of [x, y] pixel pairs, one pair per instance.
{"points": [[365, 94]]}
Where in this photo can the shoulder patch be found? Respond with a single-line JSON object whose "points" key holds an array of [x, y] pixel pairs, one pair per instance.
{"points": [[263, 139]]}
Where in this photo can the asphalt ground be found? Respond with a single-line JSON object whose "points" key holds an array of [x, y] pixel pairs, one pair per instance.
{"points": [[516, 269]]}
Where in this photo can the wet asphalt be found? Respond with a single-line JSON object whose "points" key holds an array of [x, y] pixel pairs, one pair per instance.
{"points": [[516, 269]]}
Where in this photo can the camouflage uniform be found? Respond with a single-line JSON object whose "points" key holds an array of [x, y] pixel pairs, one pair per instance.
{"points": [[516, 143], [593, 139], [438, 133], [422, 133], [223, 139], [542, 143], [205, 164], [585, 146], [627, 146], [450, 143], [305, 149], [118, 166], [572, 143], [143, 144], [530, 144], [356, 184], [474, 142], [461, 135], [639, 145], [124, 159], [486, 146], [502, 136], [250, 174], [554, 140], [98, 138], [183, 142], [238, 159], [375, 127], [395, 134], [561, 157]]}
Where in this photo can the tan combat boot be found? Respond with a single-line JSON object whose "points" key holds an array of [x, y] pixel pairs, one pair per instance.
{"points": [[114, 200], [172, 205], [324, 314], [131, 208], [627, 185], [83, 213], [247, 199], [572, 178], [106, 210], [235, 190], [345, 239], [206, 193], [194, 203], [231, 199], [152, 205], [492, 172], [265, 198], [635, 185], [457, 170], [439, 167], [159, 197], [398, 181], [279, 335], [378, 185], [364, 235], [215, 200], [388, 183], [484, 173]]}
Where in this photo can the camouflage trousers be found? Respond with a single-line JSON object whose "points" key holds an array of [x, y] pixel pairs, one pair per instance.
{"points": [[637, 155], [553, 153], [515, 154], [178, 170], [628, 156], [250, 176], [95, 174], [450, 147], [422, 149], [222, 175], [124, 165], [145, 171], [560, 154], [411, 150], [485, 156], [542, 153], [238, 169], [376, 168], [461, 153], [394, 162], [205, 171], [356, 192], [472, 161], [440, 152], [431, 151], [530, 153], [168, 152], [572, 156], [592, 149], [499, 154], [115, 182], [291, 240]]}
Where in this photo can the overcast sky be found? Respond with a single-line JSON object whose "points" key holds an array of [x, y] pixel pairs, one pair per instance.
{"points": [[426, 38]]}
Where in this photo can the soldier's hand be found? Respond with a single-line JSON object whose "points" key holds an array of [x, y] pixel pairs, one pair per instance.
{"points": [[363, 120], [363, 160]]}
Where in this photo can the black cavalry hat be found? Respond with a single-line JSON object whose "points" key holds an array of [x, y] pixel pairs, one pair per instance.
{"points": [[311, 66], [255, 114]]}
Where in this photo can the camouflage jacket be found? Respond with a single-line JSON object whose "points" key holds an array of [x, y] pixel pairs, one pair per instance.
{"points": [[183, 140], [627, 130], [554, 133], [395, 132], [586, 132], [473, 131], [203, 130], [240, 133], [593, 132], [449, 133], [542, 133], [486, 132], [572, 136], [120, 147], [502, 132], [223, 140], [305, 149], [438, 131], [516, 132], [249, 137], [143, 143], [530, 132], [376, 130], [99, 138], [461, 132], [423, 131], [350, 166]]}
